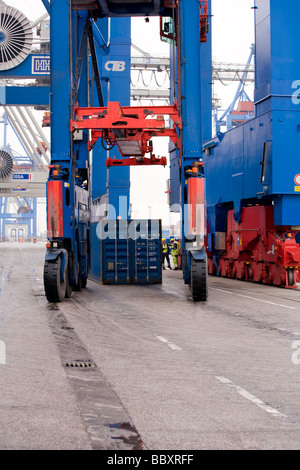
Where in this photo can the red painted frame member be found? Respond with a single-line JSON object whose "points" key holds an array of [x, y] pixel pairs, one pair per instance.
{"points": [[55, 209], [131, 128], [196, 200]]}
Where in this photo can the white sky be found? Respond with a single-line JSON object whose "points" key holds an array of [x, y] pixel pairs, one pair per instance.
{"points": [[233, 34]]}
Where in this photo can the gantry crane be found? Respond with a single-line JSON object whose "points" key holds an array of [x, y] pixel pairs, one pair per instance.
{"points": [[253, 171], [185, 23]]}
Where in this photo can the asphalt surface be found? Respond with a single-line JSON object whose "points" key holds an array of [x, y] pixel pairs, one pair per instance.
{"points": [[144, 367]]}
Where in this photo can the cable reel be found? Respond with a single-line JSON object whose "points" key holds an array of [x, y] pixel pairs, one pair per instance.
{"points": [[6, 164], [15, 37]]}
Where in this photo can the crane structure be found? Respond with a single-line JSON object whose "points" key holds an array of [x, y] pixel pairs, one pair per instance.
{"points": [[90, 118], [245, 106], [22, 176], [253, 172], [18, 206], [250, 191]]}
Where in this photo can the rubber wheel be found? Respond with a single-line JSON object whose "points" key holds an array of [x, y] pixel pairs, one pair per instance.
{"points": [[198, 283], [69, 288], [55, 290], [291, 277]]}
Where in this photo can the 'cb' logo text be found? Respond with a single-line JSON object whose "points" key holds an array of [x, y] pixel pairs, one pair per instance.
{"points": [[115, 66]]}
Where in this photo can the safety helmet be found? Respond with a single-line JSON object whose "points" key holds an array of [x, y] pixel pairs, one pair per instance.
{"points": [[172, 240], [163, 240]]}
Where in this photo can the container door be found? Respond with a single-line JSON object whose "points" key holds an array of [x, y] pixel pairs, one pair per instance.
{"points": [[115, 253], [147, 247]]}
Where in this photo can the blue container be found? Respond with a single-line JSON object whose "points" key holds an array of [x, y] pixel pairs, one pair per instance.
{"points": [[131, 252]]}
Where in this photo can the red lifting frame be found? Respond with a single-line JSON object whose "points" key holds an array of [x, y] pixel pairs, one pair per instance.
{"points": [[129, 124]]}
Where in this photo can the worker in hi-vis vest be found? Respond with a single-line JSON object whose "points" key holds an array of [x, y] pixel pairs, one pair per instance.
{"points": [[165, 252], [174, 252]]}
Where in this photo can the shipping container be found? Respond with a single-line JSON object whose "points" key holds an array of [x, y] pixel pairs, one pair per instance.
{"points": [[131, 252]]}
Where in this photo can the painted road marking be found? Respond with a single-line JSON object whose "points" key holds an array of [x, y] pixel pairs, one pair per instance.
{"points": [[171, 345], [251, 398], [254, 298], [290, 332], [4, 275], [2, 353]]}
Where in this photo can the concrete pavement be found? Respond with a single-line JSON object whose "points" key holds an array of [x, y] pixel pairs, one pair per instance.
{"points": [[166, 373]]}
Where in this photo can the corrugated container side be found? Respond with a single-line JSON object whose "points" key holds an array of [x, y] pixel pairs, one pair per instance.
{"points": [[134, 255]]}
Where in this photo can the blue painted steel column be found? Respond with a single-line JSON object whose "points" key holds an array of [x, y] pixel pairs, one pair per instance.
{"points": [[206, 82], [116, 87], [60, 101], [112, 185], [81, 153], [60, 95], [99, 169], [191, 108], [119, 90], [99, 154], [190, 80]]}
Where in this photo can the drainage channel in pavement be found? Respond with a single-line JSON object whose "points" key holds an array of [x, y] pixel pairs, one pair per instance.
{"points": [[107, 423]]}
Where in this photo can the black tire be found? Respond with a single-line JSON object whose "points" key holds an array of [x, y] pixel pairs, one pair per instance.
{"points": [[55, 290], [69, 287], [291, 277], [198, 283]]}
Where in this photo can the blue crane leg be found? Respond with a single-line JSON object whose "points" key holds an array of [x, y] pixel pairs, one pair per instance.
{"points": [[190, 104]]}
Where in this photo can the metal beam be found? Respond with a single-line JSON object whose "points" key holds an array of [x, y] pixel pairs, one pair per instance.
{"points": [[41, 192], [39, 129], [46, 4], [31, 130], [21, 131], [24, 70], [145, 93], [95, 66], [33, 24], [225, 72], [104, 7], [25, 96]]}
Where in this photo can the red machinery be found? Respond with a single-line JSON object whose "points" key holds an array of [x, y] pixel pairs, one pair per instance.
{"points": [[130, 128], [46, 119], [255, 250], [44, 147]]}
